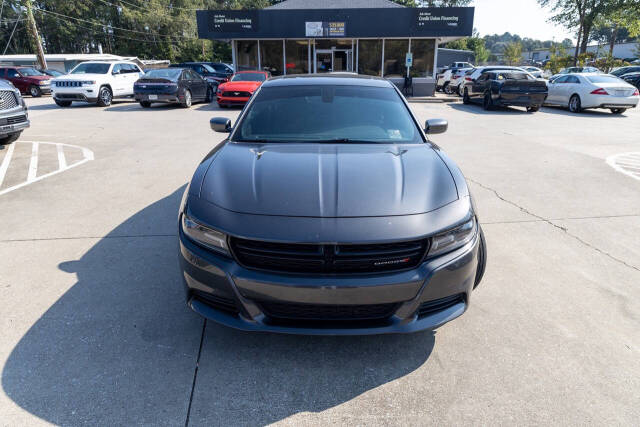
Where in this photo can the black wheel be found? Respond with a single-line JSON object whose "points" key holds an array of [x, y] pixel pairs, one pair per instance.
{"points": [[8, 139], [482, 260], [62, 103], [487, 102], [145, 104], [446, 89], [533, 109], [209, 96], [35, 91], [618, 110], [187, 99], [465, 97], [575, 105], [105, 96]]}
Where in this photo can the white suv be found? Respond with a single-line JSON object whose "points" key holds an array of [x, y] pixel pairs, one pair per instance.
{"points": [[96, 81]]}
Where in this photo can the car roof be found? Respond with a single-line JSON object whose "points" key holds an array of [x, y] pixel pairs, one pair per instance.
{"points": [[336, 79]]}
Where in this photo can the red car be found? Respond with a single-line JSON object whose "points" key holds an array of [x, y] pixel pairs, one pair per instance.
{"points": [[240, 88], [27, 80]]}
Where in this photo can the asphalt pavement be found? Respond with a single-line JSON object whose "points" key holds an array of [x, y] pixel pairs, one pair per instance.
{"points": [[94, 330]]}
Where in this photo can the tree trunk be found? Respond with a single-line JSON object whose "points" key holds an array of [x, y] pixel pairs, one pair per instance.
{"points": [[575, 55], [614, 36], [586, 32]]}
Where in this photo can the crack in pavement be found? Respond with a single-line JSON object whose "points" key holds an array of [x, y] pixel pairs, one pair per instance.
{"points": [[551, 223], [195, 373]]}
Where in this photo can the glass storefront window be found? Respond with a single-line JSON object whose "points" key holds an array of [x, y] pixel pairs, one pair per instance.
{"points": [[271, 56], [247, 54], [297, 56], [423, 56], [395, 52], [369, 57]]}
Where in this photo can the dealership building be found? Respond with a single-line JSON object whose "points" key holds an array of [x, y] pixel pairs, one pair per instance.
{"points": [[372, 37]]}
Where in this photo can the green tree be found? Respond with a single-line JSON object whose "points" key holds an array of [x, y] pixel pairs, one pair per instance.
{"points": [[513, 53]]}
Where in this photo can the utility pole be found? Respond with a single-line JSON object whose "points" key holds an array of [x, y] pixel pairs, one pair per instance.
{"points": [[35, 38]]}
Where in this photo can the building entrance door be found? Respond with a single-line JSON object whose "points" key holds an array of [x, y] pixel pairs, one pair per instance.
{"points": [[328, 60]]}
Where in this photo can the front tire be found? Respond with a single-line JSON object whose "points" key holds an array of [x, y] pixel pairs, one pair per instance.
{"points": [[145, 104], [618, 110], [105, 96], [187, 99], [61, 103], [35, 91], [482, 260], [465, 97], [575, 105], [533, 109], [8, 139]]}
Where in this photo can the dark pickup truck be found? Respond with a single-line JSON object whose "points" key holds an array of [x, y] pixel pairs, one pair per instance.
{"points": [[507, 88]]}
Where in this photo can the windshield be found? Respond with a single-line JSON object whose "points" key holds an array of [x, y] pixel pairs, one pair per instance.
{"points": [[249, 77], [164, 73], [603, 79], [30, 72], [91, 68], [322, 113]]}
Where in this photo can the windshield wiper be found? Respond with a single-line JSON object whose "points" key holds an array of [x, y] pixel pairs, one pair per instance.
{"points": [[343, 141]]}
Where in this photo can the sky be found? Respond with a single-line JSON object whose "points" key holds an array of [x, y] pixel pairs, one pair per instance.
{"points": [[523, 17]]}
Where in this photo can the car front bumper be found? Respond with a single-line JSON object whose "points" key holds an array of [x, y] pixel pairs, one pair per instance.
{"points": [[13, 122], [223, 100], [220, 289], [84, 93]]}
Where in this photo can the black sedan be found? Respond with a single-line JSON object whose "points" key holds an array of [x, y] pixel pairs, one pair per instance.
{"points": [[172, 85], [632, 79], [507, 88], [327, 210]]}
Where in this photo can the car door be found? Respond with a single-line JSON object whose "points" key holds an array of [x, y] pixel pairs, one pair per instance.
{"points": [[197, 84], [133, 74], [479, 85], [119, 80], [16, 79], [555, 95]]}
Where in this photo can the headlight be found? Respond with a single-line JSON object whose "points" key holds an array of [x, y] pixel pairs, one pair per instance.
{"points": [[88, 82], [44, 82], [453, 239], [205, 236]]}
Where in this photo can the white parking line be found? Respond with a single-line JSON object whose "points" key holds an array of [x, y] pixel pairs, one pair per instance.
{"points": [[62, 162], [87, 155], [626, 163], [33, 163], [5, 162]]}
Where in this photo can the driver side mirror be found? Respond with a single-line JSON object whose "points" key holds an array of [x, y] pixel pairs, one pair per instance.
{"points": [[434, 126], [115, 72], [220, 124]]}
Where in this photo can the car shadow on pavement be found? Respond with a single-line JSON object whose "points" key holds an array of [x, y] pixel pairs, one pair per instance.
{"points": [[584, 113], [120, 347], [495, 111]]}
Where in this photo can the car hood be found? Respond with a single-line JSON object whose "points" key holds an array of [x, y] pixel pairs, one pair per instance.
{"points": [[76, 77], [38, 78], [241, 86], [328, 180]]}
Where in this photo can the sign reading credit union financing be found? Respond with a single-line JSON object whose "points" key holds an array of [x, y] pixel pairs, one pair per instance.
{"points": [[398, 22]]}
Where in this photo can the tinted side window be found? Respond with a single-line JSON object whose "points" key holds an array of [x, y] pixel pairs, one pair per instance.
{"points": [[573, 79], [117, 68], [12, 73]]}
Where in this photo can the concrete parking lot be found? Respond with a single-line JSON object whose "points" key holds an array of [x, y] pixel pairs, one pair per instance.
{"points": [[94, 329]]}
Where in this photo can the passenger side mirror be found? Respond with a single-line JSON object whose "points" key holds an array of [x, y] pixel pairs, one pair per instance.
{"points": [[434, 126], [220, 124]]}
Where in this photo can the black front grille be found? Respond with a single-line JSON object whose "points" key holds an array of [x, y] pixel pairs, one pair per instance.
{"points": [[324, 312], [434, 306], [15, 119], [8, 100], [67, 83], [328, 259], [217, 302], [236, 94]]}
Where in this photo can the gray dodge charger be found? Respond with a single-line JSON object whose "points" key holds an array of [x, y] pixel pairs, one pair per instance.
{"points": [[328, 210]]}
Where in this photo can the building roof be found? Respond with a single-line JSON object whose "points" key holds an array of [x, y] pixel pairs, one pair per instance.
{"points": [[333, 4]]}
